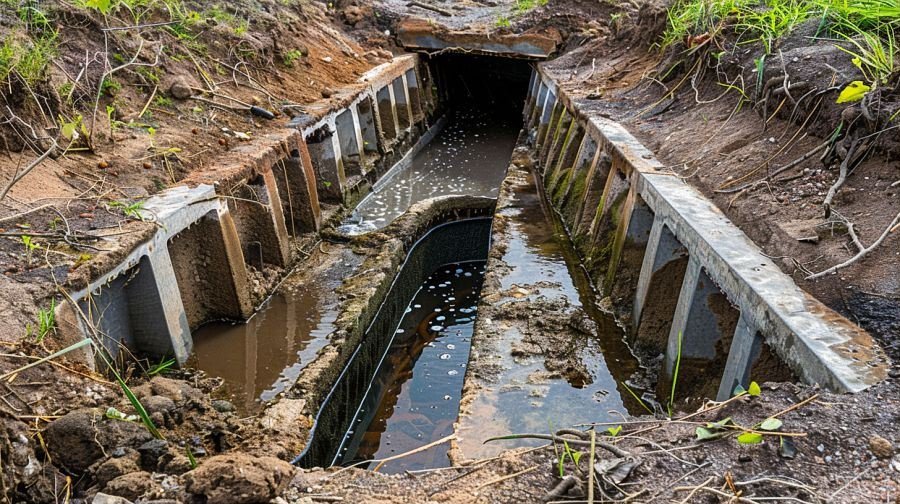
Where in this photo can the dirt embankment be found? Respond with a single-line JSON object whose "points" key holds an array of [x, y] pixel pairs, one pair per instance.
{"points": [[103, 106]]}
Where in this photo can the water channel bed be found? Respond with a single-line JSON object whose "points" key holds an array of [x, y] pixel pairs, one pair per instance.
{"points": [[544, 356], [468, 157]]}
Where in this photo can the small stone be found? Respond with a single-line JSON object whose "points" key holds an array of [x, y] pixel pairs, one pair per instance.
{"points": [[821, 448], [222, 406], [102, 498], [881, 447], [151, 451], [180, 89]]}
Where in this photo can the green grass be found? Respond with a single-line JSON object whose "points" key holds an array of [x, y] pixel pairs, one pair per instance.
{"points": [[28, 57], [768, 20], [671, 405], [291, 56]]}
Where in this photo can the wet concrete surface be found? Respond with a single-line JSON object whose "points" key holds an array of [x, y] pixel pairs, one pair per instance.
{"points": [[469, 157], [263, 357], [414, 398], [544, 356]]}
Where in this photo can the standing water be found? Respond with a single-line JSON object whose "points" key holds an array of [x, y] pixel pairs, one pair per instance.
{"points": [[414, 397], [468, 157]]}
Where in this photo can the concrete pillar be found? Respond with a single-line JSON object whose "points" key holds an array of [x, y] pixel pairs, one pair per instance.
{"points": [[386, 121], [300, 206], [308, 174], [545, 120], [560, 176], [632, 232], [598, 173], [158, 323], [662, 248], [210, 271], [556, 133], [746, 347], [537, 110], [414, 93], [394, 113], [259, 219]]}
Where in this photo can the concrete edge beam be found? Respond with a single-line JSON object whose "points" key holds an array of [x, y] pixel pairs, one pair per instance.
{"points": [[420, 34]]}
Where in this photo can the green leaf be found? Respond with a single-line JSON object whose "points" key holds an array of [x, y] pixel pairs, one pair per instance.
{"points": [[753, 390], [614, 431], [770, 424], [854, 92], [101, 5], [576, 456], [704, 434], [750, 438], [721, 424]]}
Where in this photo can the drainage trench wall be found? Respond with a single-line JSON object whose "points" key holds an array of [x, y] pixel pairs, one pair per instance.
{"points": [[226, 235], [684, 279]]}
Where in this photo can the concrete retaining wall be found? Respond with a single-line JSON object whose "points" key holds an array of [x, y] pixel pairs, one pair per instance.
{"points": [[228, 224], [681, 274]]}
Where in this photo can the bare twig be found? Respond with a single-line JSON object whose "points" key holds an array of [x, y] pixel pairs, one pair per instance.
{"points": [[423, 5], [895, 224], [504, 478], [28, 168]]}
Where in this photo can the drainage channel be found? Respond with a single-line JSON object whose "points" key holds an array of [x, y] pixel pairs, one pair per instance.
{"points": [[545, 353], [384, 399]]}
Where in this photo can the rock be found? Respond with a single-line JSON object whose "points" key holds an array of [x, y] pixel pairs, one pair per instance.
{"points": [[179, 464], [353, 14], [238, 479], [82, 437], [159, 404], [102, 498], [151, 452], [114, 467], [327, 92], [133, 485], [285, 416], [180, 89], [176, 390], [222, 406], [881, 447]]}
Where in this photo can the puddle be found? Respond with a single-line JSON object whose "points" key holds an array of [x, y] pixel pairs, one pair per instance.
{"points": [[468, 157], [524, 396], [263, 357], [414, 398]]}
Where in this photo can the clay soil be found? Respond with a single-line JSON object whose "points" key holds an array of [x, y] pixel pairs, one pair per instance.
{"points": [[58, 441]]}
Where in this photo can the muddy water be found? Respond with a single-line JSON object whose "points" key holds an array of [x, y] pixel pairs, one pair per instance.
{"points": [[523, 396], [468, 157], [414, 397], [263, 357]]}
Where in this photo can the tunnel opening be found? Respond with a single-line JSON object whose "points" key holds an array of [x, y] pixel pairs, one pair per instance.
{"points": [[475, 126]]}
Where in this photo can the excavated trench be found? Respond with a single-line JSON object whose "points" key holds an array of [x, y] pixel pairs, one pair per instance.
{"points": [[504, 254]]}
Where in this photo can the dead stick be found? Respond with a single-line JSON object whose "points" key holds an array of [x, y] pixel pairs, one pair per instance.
{"points": [[504, 478], [426, 6], [862, 253], [27, 169]]}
